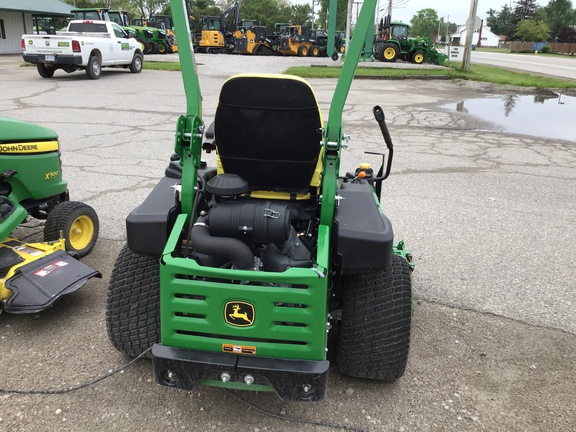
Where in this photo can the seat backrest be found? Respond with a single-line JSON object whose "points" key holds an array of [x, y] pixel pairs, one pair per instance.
{"points": [[268, 130]]}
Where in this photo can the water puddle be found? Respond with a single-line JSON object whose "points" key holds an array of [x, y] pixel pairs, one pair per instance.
{"points": [[544, 116]]}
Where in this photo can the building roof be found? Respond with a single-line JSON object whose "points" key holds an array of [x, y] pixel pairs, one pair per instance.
{"points": [[47, 7]]}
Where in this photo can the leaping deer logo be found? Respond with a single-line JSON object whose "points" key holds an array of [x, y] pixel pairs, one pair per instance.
{"points": [[238, 317]]}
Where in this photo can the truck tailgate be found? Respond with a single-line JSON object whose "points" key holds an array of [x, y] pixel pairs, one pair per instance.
{"points": [[49, 44]]}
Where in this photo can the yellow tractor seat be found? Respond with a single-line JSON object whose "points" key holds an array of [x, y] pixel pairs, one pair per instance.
{"points": [[268, 130]]}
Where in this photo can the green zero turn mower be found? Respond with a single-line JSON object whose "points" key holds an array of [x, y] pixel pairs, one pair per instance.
{"points": [[245, 275], [34, 275]]}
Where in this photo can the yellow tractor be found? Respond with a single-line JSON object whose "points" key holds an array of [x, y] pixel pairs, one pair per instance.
{"points": [[252, 40], [214, 37], [297, 40]]}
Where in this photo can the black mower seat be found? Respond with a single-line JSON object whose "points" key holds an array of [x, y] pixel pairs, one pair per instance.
{"points": [[268, 130]]}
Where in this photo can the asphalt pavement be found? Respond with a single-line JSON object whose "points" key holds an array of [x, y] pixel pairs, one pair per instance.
{"points": [[488, 216]]}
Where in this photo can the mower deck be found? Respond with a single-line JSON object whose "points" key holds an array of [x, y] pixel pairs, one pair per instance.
{"points": [[37, 278]]}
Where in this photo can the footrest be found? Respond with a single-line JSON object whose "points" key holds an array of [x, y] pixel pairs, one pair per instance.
{"points": [[37, 285]]}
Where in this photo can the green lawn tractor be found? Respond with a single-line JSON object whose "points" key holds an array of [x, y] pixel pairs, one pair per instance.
{"points": [[34, 275], [251, 273]]}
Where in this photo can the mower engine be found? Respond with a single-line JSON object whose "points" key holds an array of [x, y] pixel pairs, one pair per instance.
{"points": [[248, 234]]}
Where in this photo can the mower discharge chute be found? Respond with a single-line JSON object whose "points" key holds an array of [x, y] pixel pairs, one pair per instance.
{"points": [[34, 275], [239, 275]]}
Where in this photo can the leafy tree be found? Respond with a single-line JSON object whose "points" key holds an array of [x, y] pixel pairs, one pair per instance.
{"points": [[558, 13], [525, 9], [341, 12], [301, 14], [566, 34], [501, 23], [424, 23], [532, 31], [266, 11]]}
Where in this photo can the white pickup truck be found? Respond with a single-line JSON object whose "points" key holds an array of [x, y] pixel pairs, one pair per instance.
{"points": [[88, 45]]}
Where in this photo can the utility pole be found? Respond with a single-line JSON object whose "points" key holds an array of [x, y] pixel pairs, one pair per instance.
{"points": [[390, 9], [469, 35]]}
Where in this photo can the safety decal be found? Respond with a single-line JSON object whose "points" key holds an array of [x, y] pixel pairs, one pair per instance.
{"points": [[50, 268], [239, 349]]}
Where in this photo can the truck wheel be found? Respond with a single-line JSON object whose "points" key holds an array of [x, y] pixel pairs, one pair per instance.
{"points": [[144, 44], [314, 51], [302, 51], [133, 303], [78, 223], [136, 65], [153, 48], [418, 57], [376, 320], [389, 52], [45, 71], [93, 69]]}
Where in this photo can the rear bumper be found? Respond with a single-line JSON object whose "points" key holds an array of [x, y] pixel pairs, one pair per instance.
{"points": [[293, 380], [59, 59]]}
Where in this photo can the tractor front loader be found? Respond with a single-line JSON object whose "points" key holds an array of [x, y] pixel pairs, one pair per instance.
{"points": [[33, 275], [238, 275]]}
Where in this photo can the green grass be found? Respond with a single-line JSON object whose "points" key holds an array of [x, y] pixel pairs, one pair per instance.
{"points": [[493, 50], [477, 72], [161, 65]]}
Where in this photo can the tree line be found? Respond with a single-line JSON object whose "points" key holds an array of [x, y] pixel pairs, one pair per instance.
{"points": [[527, 21]]}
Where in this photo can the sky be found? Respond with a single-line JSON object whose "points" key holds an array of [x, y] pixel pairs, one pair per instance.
{"points": [[458, 10]]}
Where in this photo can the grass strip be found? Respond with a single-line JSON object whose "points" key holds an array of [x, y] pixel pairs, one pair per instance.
{"points": [[477, 72]]}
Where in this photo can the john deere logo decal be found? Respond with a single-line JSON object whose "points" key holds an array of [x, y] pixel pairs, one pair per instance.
{"points": [[239, 313]]}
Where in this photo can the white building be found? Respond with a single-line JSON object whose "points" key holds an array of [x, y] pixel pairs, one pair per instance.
{"points": [[487, 39], [18, 17]]}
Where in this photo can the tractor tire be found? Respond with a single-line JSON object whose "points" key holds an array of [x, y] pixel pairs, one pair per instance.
{"points": [[144, 44], [133, 303], [162, 48], [314, 51], [78, 223], [136, 65], [153, 48], [94, 68], [45, 71], [335, 56], [376, 320], [390, 52], [418, 57], [302, 51]]}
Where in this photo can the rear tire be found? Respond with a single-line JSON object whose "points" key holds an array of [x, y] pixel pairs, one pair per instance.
{"points": [[133, 303], [376, 322], [162, 48], [94, 68], [153, 48], [78, 223], [45, 71], [302, 51], [314, 51], [144, 44], [390, 52], [136, 65]]}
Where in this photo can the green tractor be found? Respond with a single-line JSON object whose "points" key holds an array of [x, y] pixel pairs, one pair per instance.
{"points": [[241, 275], [153, 40], [393, 43], [33, 275]]}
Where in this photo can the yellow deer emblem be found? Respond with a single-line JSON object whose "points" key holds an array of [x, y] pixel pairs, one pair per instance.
{"points": [[238, 315]]}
